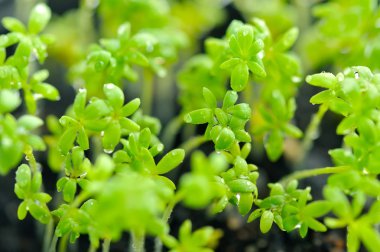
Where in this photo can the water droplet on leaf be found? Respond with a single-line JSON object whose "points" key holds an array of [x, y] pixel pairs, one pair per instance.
{"points": [[110, 86], [108, 151]]}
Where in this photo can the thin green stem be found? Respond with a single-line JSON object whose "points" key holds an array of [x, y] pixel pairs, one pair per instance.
{"points": [[63, 243], [138, 241], [92, 248], [193, 143], [106, 245], [171, 131], [313, 172], [48, 235], [28, 151], [311, 133], [165, 217], [82, 196], [53, 244], [147, 92]]}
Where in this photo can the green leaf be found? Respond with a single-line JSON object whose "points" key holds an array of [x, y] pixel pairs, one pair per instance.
{"points": [[130, 108], [322, 97], [256, 47], [244, 37], [345, 180], [341, 205], [114, 95], [129, 125], [274, 145], [39, 212], [358, 202], [138, 58], [224, 140], [83, 139], [303, 230], [22, 210], [77, 156], [69, 190], [315, 225], [9, 100], [47, 91], [145, 137], [199, 116], [266, 221], [61, 183], [99, 59], [229, 99], [245, 203], [272, 201], [197, 190], [171, 160], [370, 238], [40, 76], [293, 131], [42, 197], [257, 68], [80, 102], [317, 208], [185, 230], [111, 136], [8, 39], [221, 116], [242, 111], [67, 139], [368, 130], [209, 98], [254, 215], [63, 227], [124, 32], [234, 45], [241, 186], [30, 122], [340, 106], [23, 175], [287, 40], [96, 109], [239, 77], [325, 80], [39, 18], [230, 63], [13, 24], [290, 222], [3, 55], [220, 205]]}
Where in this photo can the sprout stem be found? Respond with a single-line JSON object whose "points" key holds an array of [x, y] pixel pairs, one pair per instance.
{"points": [[147, 92], [193, 143], [48, 236], [313, 172], [171, 131], [31, 159], [106, 245], [138, 241], [311, 133], [63, 243], [53, 244], [165, 218]]}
